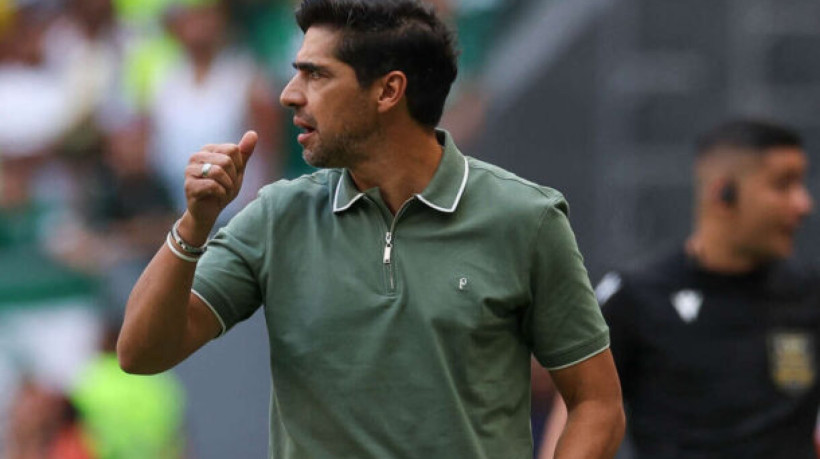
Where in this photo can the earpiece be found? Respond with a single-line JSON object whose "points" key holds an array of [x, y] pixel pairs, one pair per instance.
{"points": [[728, 194]]}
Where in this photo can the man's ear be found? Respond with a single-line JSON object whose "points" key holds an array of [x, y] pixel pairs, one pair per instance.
{"points": [[391, 89], [724, 192]]}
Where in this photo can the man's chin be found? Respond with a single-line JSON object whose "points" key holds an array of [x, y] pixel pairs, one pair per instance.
{"points": [[313, 159], [783, 249], [787, 250]]}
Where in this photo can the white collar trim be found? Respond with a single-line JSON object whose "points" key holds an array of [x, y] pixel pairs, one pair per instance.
{"points": [[336, 207], [421, 198], [452, 208]]}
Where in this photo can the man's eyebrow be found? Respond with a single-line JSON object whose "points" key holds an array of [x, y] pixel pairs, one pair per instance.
{"points": [[310, 67]]}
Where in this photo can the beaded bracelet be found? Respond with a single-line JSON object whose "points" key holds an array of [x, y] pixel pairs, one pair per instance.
{"points": [[187, 248], [179, 254]]}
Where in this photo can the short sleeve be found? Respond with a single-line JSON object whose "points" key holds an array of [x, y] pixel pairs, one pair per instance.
{"points": [[228, 277], [564, 322]]}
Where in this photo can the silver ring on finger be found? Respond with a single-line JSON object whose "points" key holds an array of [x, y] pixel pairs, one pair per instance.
{"points": [[206, 168]]}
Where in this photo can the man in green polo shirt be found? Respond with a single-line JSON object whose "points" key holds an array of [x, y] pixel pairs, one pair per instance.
{"points": [[405, 285]]}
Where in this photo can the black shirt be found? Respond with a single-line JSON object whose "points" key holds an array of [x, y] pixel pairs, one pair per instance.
{"points": [[716, 366]]}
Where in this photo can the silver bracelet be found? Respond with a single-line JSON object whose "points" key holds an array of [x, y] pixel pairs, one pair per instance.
{"points": [[187, 248], [179, 254]]}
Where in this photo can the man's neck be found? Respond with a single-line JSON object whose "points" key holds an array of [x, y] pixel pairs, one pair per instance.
{"points": [[403, 164], [715, 252]]}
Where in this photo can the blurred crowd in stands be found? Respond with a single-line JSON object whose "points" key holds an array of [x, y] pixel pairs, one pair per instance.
{"points": [[101, 104]]}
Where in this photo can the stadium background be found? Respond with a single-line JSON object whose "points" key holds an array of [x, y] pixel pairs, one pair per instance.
{"points": [[600, 99]]}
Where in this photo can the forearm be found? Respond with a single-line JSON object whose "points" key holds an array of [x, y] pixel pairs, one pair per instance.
{"points": [[164, 322], [156, 327], [153, 333], [593, 429]]}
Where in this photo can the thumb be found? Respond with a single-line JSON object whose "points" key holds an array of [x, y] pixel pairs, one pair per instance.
{"points": [[246, 146]]}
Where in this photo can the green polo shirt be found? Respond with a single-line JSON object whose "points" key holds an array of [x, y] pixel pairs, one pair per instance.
{"points": [[419, 347]]}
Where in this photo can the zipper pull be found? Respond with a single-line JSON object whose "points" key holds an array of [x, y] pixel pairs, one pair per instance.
{"points": [[388, 247]]}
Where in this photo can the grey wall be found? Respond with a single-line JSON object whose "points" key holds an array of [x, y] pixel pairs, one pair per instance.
{"points": [[228, 384], [611, 122]]}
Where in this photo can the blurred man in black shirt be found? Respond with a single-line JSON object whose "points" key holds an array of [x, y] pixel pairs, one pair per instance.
{"points": [[716, 343]]}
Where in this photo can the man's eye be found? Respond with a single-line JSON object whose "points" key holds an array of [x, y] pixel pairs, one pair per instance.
{"points": [[314, 75]]}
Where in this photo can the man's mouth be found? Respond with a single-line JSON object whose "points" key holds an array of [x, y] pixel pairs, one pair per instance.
{"points": [[306, 128], [302, 124]]}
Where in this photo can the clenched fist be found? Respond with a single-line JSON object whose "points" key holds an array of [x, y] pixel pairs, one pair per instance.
{"points": [[213, 179]]}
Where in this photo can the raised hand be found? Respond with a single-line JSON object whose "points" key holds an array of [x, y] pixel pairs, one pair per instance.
{"points": [[213, 179]]}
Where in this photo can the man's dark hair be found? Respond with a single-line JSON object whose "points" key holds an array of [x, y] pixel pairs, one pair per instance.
{"points": [[380, 36], [754, 136]]}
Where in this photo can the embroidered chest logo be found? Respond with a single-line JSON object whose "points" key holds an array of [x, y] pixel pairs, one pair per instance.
{"points": [[687, 303], [462, 283], [792, 360]]}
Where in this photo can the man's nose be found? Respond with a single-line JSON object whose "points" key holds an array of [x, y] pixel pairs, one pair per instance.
{"points": [[292, 95], [804, 202]]}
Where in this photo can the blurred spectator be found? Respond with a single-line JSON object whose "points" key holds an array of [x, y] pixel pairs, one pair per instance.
{"points": [[48, 324], [149, 52], [43, 426], [126, 212], [34, 105], [213, 93], [85, 46], [60, 70], [124, 416], [108, 415], [133, 211]]}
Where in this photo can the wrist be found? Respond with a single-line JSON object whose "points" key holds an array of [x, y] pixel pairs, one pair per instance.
{"points": [[193, 232]]}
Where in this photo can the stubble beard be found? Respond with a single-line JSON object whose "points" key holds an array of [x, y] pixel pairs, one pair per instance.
{"points": [[344, 150]]}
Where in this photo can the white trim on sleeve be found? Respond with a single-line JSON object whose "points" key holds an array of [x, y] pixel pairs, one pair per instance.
{"points": [[589, 356], [211, 307]]}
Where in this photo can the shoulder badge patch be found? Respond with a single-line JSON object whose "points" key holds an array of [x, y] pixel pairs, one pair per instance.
{"points": [[687, 303], [792, 360]]}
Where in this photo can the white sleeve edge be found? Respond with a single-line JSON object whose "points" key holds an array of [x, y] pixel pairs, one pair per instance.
{"points": [[588, 356], [211, 307]]}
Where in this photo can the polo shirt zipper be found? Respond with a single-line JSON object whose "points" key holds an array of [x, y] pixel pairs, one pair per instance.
{"points": [[388, 246], [388, 249]]}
